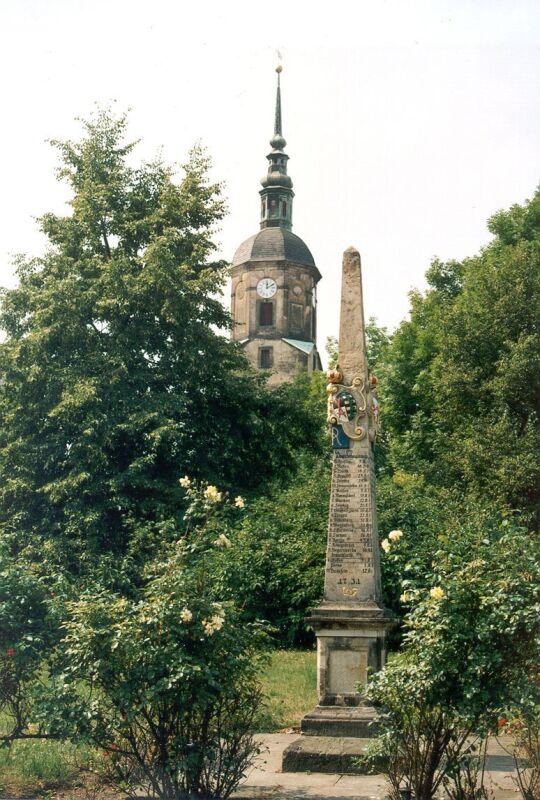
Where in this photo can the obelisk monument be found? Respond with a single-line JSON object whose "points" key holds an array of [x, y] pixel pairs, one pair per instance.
{"points": [[351, 622]]}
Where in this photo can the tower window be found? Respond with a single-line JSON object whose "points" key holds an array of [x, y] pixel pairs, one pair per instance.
{"points": [[296, 312], [284, 209], [265, 357], [266, 313]]}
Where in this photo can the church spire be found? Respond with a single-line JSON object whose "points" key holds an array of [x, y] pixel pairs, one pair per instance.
{"points": [[277, 118], [277, 193]]}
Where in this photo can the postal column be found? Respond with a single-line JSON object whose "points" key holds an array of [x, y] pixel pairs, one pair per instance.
{"points": [[351, 622]]}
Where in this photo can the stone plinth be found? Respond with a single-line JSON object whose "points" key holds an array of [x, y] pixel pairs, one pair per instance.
{"points": [[325, 754], [341, 720]]}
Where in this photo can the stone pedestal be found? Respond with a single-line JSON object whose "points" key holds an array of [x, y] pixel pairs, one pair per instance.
{"points": [[351, 643], [351, 623]]}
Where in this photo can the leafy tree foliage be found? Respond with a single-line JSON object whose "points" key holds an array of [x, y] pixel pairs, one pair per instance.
{"points": [[461, 379], [115, 379], [277, 569]]}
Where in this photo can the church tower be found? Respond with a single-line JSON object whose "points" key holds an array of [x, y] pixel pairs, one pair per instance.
{"points": [[274, 279]]}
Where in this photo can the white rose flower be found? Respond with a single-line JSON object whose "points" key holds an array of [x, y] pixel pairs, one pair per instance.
{"points": [[437, 593], [186, 615], [385, 544], [222, 541], [185, 482], [217, 622], [211, 493], [395, 536], [239, 502]]}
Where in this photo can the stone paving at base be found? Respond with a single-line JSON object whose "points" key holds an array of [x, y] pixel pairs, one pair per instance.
{"points": [[266, 781]]}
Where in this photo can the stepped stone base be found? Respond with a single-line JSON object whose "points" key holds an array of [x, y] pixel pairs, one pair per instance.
{"points": [[341, 721], [329, 754]]}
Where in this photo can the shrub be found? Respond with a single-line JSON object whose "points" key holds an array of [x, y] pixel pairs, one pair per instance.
{"points": [[27, 631], [471, 636], [163, 683]]}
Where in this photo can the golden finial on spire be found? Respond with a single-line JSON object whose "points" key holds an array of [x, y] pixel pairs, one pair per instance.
{"points": [[279, 69]]}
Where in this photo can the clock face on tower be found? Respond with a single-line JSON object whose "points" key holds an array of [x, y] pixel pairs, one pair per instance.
{"points": [[267, 287]]}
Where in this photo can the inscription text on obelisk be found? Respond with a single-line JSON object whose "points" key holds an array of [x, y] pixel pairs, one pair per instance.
{"points": [[350, 569]]}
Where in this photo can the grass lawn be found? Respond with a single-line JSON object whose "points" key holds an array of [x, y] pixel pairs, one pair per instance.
{"points": [[289, 683], [42, 767]]}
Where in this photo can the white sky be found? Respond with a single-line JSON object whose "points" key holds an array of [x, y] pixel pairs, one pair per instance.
{"points": [[408, 122]]}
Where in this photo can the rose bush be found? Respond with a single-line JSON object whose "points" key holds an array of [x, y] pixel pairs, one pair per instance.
{"points": [[471, 639], [162, 679]]}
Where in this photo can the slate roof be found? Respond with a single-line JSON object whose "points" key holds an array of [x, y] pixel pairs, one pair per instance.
{"points": [[274, 244]]}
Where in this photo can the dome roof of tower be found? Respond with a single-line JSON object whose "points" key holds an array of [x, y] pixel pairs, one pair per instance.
{"points": [[274, 244]]}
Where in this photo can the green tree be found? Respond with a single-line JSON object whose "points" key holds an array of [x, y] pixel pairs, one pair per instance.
{"points": [[115, 378], [277, 569], [461, 380]]}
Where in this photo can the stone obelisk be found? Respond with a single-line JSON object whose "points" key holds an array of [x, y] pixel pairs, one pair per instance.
{"points": [[351, 622]]}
